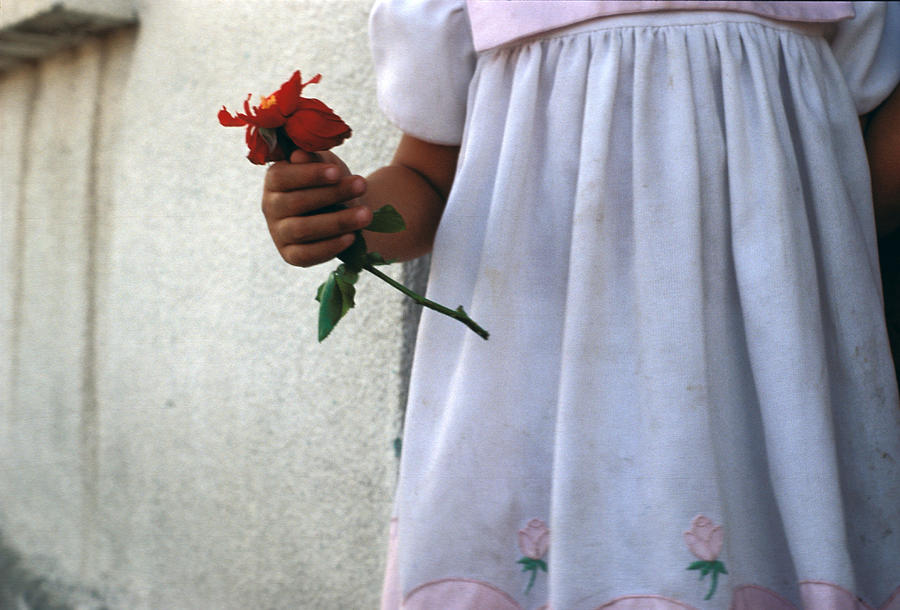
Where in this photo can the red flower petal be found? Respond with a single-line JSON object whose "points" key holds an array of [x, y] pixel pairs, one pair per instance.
{"points": [[288, 96], [286, 119], [228, 120], [269, 118], [259, 148], [315, 127], [261, 117]]}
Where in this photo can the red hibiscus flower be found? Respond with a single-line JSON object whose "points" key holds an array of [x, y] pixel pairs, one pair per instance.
{"points": [[285, 121]]}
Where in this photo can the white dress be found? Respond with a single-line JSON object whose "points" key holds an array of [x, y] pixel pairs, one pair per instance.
{"points": [[664, 221]]}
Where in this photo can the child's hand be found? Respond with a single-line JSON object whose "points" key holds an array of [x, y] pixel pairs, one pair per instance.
{"points": [[294, 191]]}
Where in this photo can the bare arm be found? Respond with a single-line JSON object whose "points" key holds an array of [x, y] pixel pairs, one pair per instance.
{"points": [[416, 183], [882, 137]]}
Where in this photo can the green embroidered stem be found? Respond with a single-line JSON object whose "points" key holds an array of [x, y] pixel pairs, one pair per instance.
{"points": [[457, 314], [531, 581], [714, 568], [532, 565], [712, 589]]}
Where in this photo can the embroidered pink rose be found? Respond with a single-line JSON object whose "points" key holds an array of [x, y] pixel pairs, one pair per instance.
{"points": [[705, 540], [534, 540]]}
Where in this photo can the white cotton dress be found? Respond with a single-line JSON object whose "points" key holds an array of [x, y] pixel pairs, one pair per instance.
{"points": [[664, 220]]}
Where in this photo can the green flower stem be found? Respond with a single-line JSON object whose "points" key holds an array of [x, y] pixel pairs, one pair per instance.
{"points": [[529, 564], [712, 589], [531, 580], [457, 314], [714, 568]]}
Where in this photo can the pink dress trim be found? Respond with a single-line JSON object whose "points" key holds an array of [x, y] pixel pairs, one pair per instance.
{"points": [[751, 597], [819, 594], [458, 594], [466, 594], [893, 602], [644, 602], [497, 23]]}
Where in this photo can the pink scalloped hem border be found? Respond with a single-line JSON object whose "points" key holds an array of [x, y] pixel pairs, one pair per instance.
{"points": [[748, 597], [458, 594], [821, 594], [640, 602], [893, 602], [467, 594]]}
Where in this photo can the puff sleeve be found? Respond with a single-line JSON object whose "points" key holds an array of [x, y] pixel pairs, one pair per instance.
{"points": [[867, 49], [424, 60]]}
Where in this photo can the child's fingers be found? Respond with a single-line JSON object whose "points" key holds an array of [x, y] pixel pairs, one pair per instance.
{"points": [[282, 177], [277, 204], [308, 229], [307, 255], [324, 156], [295, 191], [301, 156]]}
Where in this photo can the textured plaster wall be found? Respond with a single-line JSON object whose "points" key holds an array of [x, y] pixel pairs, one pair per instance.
{"points": [[14, 11], [171, 433]]}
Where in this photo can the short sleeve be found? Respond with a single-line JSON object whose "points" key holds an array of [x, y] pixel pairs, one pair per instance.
{"points": [[424, 61], [867, 49]]}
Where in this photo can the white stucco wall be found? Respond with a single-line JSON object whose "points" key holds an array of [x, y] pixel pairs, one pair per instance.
{"points": [[16, 11], [172, 434]]}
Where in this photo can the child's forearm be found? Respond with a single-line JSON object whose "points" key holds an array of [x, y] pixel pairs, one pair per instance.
{"points": [[417, 184], [883, 148], [416, 201]]}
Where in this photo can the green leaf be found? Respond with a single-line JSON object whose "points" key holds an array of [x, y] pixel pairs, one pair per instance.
{"points": [[529, 563], [697, 565], [355, 256], [386, 220], [336, 298], [331, 307], [347, 292], [346, 275]]}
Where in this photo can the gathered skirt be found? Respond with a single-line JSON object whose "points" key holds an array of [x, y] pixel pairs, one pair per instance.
{"points": [[687, 399]]}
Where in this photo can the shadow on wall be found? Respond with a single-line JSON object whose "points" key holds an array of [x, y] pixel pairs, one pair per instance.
{"points": [[889, 251], [31, 585]]}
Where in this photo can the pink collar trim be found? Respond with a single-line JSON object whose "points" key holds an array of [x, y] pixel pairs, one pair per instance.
{"points": [[498, 22]]}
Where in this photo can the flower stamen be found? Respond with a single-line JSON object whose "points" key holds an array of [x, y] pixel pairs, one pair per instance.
{"points": [[268, 102]]}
